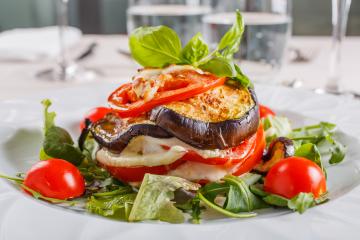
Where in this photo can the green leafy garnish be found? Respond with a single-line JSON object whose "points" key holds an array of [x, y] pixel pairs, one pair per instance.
{"points": [[114, 204], [195, 50], [155, 46], [276, 126], [57, 141], [239, 200], [229, 43], [323, 136], [311, 152], [153, 201], [160, 46]]}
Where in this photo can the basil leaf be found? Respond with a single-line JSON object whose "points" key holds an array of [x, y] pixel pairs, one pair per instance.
{"points": [[153, 201], [195, 50], [155, 46], [58, 144], [229, 43], [220, 66], [301, 202], [242, 78]]}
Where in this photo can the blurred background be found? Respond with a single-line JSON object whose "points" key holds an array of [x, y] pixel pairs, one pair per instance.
{"points": [[293, 43], [109, 16]]}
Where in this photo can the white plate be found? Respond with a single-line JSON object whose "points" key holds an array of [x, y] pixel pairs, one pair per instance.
{"points": [[22, 217]]}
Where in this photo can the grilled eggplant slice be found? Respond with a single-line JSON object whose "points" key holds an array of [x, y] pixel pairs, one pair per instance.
{"points": [[279, 149], [115, 133], [220, 118]]}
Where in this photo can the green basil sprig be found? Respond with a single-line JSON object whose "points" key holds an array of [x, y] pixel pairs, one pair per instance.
{"points": [[160, 46]]}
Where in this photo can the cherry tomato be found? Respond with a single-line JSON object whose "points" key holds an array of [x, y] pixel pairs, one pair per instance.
{"points": [[265, 111], [136, 174], [55, 178], [293, 175], [95, 114], [187, 85]]}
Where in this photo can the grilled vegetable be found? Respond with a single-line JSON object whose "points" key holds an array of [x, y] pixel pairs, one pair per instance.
{"points": [[220, 118], [279, 149], [115, 133]]}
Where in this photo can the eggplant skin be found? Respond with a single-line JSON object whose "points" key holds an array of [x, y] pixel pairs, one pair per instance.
{"points": [[279, 149], [208, 135], [115, 133]]}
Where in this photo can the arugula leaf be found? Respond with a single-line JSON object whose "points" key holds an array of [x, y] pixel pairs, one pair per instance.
{"points": [[240, 198], [49, 117], [114, 204], [195, 50], [224, 211], [275, 127], [311, 152], [276, 200], [195, 210], [153, 201], [57, 142], [155, 46], [301, 202], [322, 135], [229, 43]]}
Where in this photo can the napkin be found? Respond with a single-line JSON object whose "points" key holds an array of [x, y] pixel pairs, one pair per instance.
{"points": [[32, 44]]}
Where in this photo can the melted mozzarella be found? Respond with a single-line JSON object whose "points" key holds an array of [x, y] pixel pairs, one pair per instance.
{"points": [[193, 171], [141, 152]]}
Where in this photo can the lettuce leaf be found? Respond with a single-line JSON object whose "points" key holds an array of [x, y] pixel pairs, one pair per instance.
{"points": [[57, 141], [153, 201]]}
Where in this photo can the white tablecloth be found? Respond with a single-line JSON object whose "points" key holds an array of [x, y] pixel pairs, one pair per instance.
{"points": [[18, 78]]}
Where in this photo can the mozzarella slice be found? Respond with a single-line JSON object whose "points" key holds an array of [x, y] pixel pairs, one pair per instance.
{"points": [[193, 171], [141, 152]]}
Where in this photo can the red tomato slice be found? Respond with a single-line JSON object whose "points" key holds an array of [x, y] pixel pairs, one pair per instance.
{"points": [[191, 83], [255, 156], [294, 175], [233, 156], [95, 114], [265, 111], [136, 174], [55, 178]]}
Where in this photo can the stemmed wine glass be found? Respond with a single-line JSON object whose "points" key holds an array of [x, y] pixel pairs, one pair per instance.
{"points": [[340, 12], [66, 69]]}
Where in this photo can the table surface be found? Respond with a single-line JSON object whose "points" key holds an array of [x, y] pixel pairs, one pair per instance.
{"points": [[18, 78]]}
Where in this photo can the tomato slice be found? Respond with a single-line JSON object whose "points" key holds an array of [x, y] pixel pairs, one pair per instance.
{"points": [[136, 174], [255, 156], [234, 155], [187, 84], [265, 111]]}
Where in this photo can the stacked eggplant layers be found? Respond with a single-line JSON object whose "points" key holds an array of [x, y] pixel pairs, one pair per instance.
{"points": [[171, 138]]}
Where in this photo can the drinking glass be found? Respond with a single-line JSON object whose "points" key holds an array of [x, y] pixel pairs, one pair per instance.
{"points": [[66, 69], [264, 42], [184, 16], [340, 12]]}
